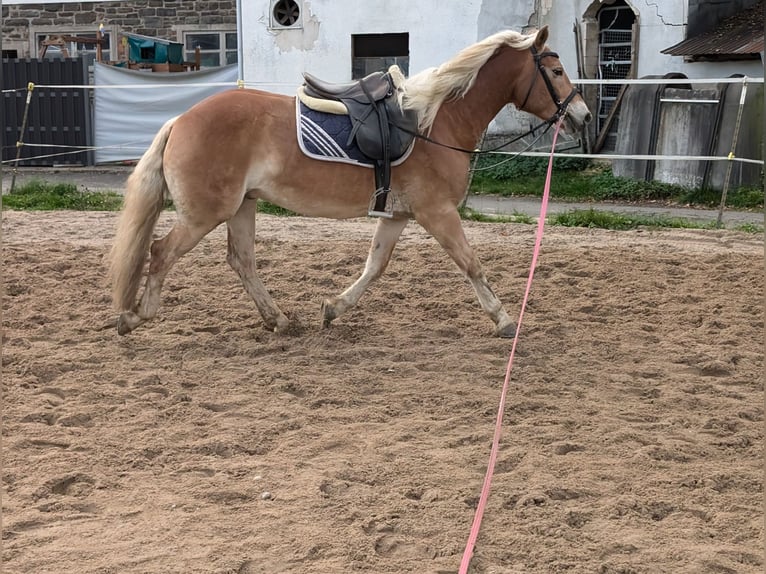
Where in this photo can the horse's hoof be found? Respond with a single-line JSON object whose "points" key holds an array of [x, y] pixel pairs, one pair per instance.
{"points": [[128, 321], [328, 314], [282, 325], [123, 326], [506, 331]]}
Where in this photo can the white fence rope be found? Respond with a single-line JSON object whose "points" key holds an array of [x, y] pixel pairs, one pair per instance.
{"points": [[670, 81], [638, 157], [241, 84]]}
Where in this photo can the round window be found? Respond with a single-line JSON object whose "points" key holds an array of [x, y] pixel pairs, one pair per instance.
{"points": [[286, 12]]}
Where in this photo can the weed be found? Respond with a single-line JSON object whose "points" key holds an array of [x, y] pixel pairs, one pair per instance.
{"points": [[596, 182], [617, 221], [271, 209], [41, 196]]}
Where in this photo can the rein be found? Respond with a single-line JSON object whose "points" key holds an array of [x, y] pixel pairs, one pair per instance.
{"points": [[547, 124], [561, 109]]}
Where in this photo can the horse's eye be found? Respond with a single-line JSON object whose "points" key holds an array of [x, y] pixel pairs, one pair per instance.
{"points": [[558, 72]]}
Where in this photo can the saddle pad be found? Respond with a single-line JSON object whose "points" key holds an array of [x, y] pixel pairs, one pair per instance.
{"points": [[323, 136]]}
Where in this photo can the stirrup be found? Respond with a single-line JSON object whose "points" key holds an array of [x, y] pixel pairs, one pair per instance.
{"points": [[388, 209], [384, 214]]}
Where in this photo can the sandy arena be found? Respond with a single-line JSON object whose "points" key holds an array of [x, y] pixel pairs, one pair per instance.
{"points": [[202, 443]]}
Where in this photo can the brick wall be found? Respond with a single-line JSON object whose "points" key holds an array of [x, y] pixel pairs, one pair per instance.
{"points": [[157, 18]]}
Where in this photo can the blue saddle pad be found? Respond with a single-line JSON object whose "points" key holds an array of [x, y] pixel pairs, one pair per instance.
{"points": [[323, 136]]}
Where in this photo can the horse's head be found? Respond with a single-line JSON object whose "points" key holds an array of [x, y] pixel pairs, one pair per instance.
{"points": [[548, 93]]}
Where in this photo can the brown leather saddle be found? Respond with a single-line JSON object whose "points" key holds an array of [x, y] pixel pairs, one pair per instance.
{"points": [[380, 128]]}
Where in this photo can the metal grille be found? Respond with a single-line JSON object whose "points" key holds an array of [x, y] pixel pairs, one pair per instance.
{"points": [[614, 62]]}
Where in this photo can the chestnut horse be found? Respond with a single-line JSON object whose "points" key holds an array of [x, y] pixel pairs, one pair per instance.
{"points": [[225, 153]]}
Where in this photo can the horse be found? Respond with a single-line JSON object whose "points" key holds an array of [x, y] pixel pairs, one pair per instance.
{"points": [[216, 160]]}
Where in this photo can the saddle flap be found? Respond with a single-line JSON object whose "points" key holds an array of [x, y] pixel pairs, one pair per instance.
{"points": [[369, 137]]}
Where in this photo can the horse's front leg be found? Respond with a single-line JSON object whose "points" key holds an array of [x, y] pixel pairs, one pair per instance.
{"points": [[445, 225], [386, 235]]}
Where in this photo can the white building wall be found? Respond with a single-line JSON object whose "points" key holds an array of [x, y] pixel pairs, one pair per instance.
{"points": [[661, 25], [275, 59]]}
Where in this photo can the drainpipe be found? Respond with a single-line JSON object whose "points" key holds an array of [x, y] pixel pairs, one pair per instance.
{"points": [[240, 63]]}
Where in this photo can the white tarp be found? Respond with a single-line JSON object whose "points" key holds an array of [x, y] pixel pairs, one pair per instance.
{"points": [[126, 119]]}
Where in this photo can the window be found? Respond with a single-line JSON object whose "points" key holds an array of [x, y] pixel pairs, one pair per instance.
{"points": [[72, 45], [377, 52], [216, 48]]}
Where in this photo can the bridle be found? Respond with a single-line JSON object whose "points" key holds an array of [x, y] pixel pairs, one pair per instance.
{"points": [[561, 110], [561, 107]]}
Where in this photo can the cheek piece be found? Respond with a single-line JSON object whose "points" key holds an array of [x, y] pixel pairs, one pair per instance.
{"points": [[561, 106]]}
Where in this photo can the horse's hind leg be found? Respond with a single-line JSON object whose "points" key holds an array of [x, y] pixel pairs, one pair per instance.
{"points": [[241, 257], [446, 227], [164, 253], [386, 235]]}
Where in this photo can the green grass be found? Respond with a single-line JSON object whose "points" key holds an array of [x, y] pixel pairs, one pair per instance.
{"points": [[738, 198], [593, 218], [41, 196], [574, 180], [609, 220], [37, 195], [750, 228], [271, 209], [469, 214]]}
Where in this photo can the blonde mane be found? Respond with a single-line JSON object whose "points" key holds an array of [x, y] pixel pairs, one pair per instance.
{"points": [[426, 91]]}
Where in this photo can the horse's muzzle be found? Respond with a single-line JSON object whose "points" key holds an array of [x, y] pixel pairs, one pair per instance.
{"points": [[577, 117]]}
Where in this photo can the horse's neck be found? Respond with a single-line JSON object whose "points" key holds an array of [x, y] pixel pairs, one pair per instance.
{"points": [[469, 116]]}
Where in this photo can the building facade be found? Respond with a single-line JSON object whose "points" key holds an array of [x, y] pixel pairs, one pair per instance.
{"points": [[209, 25], [339, 40], [276, 41]]}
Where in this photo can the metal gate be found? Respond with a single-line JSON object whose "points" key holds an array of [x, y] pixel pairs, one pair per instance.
{"points": [[58, 122], [615, 48]]}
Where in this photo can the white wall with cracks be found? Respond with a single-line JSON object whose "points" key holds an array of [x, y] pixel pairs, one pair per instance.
{"points": [[661, 24], [273, 58]]}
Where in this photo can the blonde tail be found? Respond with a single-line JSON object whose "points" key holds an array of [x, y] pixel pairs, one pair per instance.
{"points": [[144, 199]]}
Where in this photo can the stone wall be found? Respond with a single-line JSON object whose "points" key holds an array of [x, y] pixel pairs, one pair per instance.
{"points": [[157, 18]]}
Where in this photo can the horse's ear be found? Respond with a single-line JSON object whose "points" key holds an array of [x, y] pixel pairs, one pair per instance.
{"points": [[541, 38]]}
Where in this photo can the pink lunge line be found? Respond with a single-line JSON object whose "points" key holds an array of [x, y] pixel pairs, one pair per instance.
{"points": [[468, 552]]}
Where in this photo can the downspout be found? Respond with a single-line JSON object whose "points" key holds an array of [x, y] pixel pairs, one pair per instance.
{"points": [[240, 63]]}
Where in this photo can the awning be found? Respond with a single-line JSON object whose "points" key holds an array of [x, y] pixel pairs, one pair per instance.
{"points": [[737, 36]]}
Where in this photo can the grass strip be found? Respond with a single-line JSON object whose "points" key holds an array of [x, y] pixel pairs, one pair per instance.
{"points": [[41, 196]]}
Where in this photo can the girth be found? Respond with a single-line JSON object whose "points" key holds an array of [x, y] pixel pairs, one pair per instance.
{"points": [[376, 114]]}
